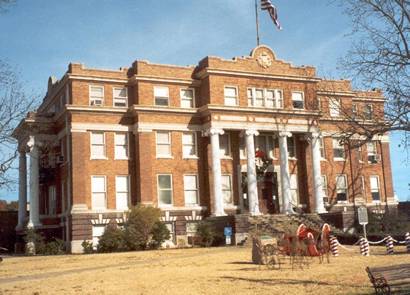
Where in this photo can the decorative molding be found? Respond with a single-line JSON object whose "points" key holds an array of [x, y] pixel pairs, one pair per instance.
{"points": [[84, 127], [100, 220], [164, 109], [168, 217], [97, 109], [137, 78], [193, 217], [97, 79]]}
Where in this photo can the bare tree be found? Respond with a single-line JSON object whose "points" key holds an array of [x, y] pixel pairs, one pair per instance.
{"points": [[14, 105], [380, 57]]}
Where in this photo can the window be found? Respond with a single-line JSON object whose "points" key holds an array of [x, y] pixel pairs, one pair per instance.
{"points": [[242, 148], [161, 96], [52, 200], [122, 192], [354, 111], [338, 149], [298, 100], [96, 95], [98, 189], [363, 186], [170, 226], [227, 189], [98, 231], [189, 145], [191, 229], [231, 96], [374, 188], [187, 98], [163, 144], [324, 190], [322, 148], [165, 189], [368, 112], [120, 97], [121, 146], [224, 145], [371, 152], [191, 190], [291, 147], [265, 144], [334, 107], [360, 154], [97, 145], [341, 188], [294, 196], [270, 98]]}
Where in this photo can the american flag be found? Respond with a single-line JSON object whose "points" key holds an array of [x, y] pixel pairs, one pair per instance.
{"points": [[273, 12]]}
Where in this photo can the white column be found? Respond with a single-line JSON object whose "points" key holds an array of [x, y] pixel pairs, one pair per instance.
{"points": [[284, 172], [218, 201], [34, 219], [317, 176], [22, 190], [251, 172]]}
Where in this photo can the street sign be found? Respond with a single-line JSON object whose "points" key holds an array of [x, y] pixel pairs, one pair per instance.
{"points": [[362, 215], [228, 234]]}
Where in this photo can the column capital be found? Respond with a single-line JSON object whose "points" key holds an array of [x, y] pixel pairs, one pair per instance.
{"points": [[251, 132], [285, 134], [213, 131], [316, 134]]}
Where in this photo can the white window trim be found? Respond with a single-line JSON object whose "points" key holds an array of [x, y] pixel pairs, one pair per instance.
{"points": [[303, 99], [332, 108], [272, 151], [229, 205], [54, 189], [129, 191], [325, 188], [172, 191], [378, 188], [160, 86], [193, 96], [105, 147], [89, 94], [229, 156], [338, 159], [347, 189], [236, 98], [265, 90], [371, 111], [197, 190], [158, 156], [195, 144], [294, 149], [128, 146], [323, 146], [113, 97], [105, 192]]}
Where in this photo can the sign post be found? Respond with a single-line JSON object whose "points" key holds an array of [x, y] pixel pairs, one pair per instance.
{"points": [[363, 218], [228, 235]]}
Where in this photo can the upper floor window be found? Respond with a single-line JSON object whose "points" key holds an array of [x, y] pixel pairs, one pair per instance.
{"points": [[368, 112], [291, 147], [99, 192], [270, 98], [298, 100], [374, 188], [227, 189], [191, 190], [372, 152], [338, 149], [324, 189], [122, 192], [164, 186], [354, 111], [120, 97], [231, 96], [189, 145], [52, 201], [187, 98], [322, 148], [98, 145], [163, 142], [265, 145], [96, 95], [334, 107], [224, 145], [341, 188], [294, 195], [161, 96], [121, 146]]}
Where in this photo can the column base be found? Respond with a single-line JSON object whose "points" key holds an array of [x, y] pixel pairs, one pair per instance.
{"points": [[320, 210], [217, 214], [34, 224]]}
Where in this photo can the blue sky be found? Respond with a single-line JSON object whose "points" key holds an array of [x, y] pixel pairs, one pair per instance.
{"points": [[41, 37]]}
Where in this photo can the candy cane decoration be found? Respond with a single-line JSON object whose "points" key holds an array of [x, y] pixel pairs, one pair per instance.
{"points": [[407, 240], [334, 246], [389, 245], [364, 247]]}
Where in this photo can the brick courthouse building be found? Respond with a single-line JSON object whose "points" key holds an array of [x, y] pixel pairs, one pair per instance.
{"points": [[252, 134]]}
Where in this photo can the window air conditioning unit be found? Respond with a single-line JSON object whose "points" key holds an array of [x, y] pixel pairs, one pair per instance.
{"points": [[373, 159], [60, 159], [96, 102]]}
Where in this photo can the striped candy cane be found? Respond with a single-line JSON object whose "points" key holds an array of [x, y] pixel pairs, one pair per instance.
{"points": [[364, 247], [334, 243], [407, 240], [389, 245]]}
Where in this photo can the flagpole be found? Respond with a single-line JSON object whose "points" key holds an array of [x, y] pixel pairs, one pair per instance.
{"points": [[257, 23]]}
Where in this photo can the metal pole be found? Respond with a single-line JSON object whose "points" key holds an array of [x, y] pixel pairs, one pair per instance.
{"points": [[257, 23]]}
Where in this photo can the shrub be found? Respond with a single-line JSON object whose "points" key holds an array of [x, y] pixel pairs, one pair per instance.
{"points": [[33, 238], [88, 247], [160, 234], [206, 234], [112, 240], [55, 247], [138, 228]]}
